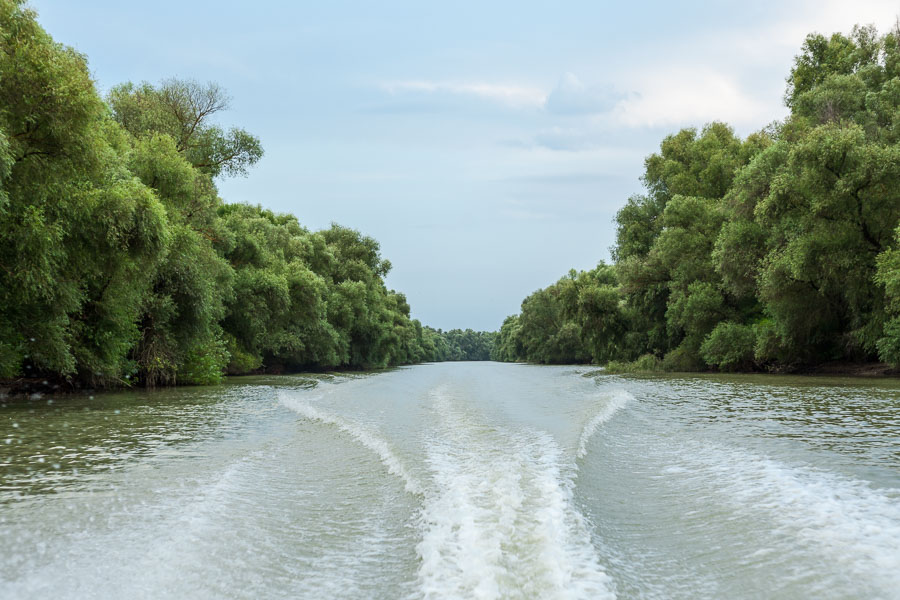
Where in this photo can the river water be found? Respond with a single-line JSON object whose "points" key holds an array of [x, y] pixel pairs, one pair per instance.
{"points": [[459, 480]]}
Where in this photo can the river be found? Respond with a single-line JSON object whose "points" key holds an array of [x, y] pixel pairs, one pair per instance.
{"points": [[457, 480]]}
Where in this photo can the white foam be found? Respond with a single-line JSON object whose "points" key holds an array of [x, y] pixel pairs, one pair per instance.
{"points": [[614, 403], [361, 434], [854, 527], [166, 533], [500, 521]]}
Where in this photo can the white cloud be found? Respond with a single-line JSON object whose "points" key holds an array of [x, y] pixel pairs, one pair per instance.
{"points": [[670, 98], [516, 96], [690, 96], [572, 97], [778, 40], [828, 16], [735, 75]]}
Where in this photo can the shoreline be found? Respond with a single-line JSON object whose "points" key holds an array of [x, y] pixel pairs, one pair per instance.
{"points": [[28, 386], [873, 370]]}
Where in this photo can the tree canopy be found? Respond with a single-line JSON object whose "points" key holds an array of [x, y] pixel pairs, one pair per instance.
{"points": [[770, 252], [120, 263]]}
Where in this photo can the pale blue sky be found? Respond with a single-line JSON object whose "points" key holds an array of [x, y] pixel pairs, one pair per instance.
{"points": [[487, 146]]}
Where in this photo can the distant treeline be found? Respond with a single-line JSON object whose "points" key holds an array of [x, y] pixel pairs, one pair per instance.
{"points": [[119, 262], [771, 252], [457, 344]]}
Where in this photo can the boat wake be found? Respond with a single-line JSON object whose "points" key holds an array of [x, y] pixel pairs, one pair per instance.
{"points": [[361, 434], [853, 526], [500, 520], [614, 403]]}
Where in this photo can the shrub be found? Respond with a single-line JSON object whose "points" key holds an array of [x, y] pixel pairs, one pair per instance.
{"points": [[889, 345], [241, 361], [204, 365], [730, 346], [645, 364], [683, 359]]}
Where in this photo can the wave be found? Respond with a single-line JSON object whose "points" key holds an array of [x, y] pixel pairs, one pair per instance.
{"points": [[501, 521], [854, 526], [615, 402], [361, 434]]}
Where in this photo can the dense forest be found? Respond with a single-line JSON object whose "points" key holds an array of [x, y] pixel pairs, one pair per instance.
{"points": [[773, 252], [120, 264], [457, 344]]}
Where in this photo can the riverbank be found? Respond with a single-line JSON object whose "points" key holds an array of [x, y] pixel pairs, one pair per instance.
{"points": [[28, 386], [651, 364]]}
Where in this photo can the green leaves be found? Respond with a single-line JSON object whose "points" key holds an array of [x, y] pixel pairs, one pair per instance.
{"points": [[576, 319], [730, 347], [81, 237], [313, 300], [770, 252], [183, 110], [119, 262]]}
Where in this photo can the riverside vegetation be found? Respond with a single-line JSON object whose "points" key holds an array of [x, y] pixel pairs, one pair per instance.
{"points": [[119, 263], [773, 252]]}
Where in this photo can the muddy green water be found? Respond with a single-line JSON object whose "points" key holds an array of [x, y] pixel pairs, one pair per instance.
{"points": [[464, 480]]}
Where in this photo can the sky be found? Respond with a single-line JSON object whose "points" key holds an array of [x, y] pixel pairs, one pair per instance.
{"points": [[486, 145]]}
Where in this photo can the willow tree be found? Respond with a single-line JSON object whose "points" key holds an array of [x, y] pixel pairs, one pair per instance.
{"points": [[81, 235], [185, 110], [814, 212], [665, 242]]}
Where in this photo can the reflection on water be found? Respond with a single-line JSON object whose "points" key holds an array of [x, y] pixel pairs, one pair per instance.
{"points": [[850, 416], [53, 443]]}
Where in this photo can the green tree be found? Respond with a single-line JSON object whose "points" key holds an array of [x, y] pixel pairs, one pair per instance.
{"points": [[80, 233], [673, 295], [180, 332], [184, 110], [773, 251], [814, 211]]}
